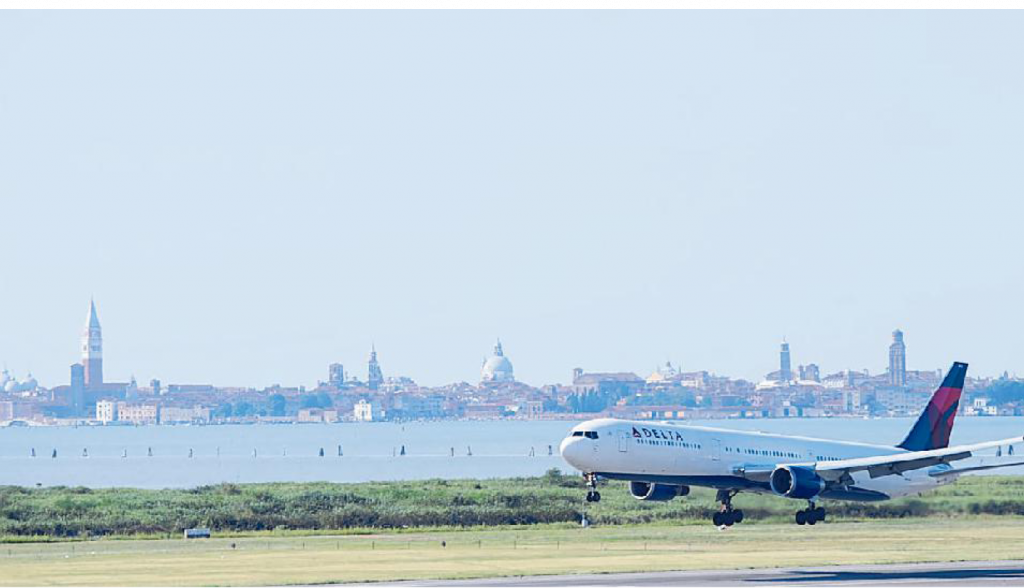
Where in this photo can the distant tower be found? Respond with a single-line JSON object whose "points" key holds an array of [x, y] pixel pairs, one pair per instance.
{"points": [[92, 349], [375, 377], [78, 388], [336, 375], [898, 360], [785, 371]]}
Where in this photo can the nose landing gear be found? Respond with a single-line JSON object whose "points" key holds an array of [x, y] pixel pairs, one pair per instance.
{"points": [[727, 516], [811, 515], [592, 494]]}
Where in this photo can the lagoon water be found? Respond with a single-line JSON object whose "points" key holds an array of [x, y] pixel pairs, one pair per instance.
{"points": [[371, 451]]}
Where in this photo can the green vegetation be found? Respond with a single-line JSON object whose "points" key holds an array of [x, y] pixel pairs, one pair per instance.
{"points": [[63, 513], [1005, 392]]}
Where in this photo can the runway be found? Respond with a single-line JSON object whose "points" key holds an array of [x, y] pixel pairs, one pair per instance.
{"points": [[969, 573]]}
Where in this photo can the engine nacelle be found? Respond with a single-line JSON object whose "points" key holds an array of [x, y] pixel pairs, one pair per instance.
{"points": [[796, 482], [656, 492]]}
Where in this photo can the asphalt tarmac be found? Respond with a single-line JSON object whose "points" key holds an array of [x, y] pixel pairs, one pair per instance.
{"points": [[968, 573]]}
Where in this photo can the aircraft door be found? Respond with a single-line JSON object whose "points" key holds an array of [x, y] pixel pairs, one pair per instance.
{"points": [[624, 438], [716, 449]]}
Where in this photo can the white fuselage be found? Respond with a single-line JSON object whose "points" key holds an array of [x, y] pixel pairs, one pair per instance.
{"points": [[682, 454]]}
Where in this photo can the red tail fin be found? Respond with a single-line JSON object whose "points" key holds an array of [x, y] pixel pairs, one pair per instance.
{"points": [[932, 429]]}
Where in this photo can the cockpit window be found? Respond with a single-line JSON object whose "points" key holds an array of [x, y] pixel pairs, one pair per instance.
{"points": [[577, 433], [590, 434]]}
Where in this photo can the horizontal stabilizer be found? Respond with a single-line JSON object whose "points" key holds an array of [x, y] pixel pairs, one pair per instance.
{"points": [[977, 468]]}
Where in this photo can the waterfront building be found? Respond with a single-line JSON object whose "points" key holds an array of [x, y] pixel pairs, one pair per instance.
{"points": [[897, 360], [184, 414], [981, 407], [366, 411], [497, 368], [317, 415], [903, 401], [138, 414], [106, 411], [16, 410]]}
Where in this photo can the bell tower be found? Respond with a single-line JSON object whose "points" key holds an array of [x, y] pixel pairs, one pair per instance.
{"points": [[374, 377], [92, 349]]}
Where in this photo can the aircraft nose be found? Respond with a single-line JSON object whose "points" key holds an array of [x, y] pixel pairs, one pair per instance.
{"points": [[572, 451]]}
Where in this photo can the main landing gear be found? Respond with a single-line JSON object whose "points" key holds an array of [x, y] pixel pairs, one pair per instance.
{"points": [[727, 516], [810, 515], [592, 494]]}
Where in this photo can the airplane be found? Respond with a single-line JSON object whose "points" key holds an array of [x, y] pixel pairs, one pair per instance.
{"points": [[661, 461]]}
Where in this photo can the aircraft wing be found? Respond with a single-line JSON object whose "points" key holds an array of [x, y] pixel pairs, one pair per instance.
{"points": [[897, 463]]}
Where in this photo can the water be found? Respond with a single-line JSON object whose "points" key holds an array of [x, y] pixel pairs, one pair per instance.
{"points": [[224, 453]]}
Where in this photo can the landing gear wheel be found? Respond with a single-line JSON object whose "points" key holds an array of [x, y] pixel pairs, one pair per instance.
{"points": [[593, 496], [811, 515], [727, 517]]}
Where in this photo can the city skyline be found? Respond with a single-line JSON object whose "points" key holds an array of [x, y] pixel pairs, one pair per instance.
{"points": [[89, 369], [707, 184]]}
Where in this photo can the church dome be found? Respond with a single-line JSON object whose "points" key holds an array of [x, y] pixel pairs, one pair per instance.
{"points": [[497, 368]]}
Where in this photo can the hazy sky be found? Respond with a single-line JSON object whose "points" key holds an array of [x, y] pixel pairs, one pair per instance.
{"points": [[253, 195]]}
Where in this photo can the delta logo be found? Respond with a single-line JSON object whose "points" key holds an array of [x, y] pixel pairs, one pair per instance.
{"points": [[644, 432]]}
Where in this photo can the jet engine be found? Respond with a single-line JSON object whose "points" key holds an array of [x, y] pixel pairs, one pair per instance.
{"points": [[796, 482], [656, 492]]}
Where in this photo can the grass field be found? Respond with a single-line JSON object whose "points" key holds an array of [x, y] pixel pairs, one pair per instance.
{"points": [[36, 514], [537, 549]]}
